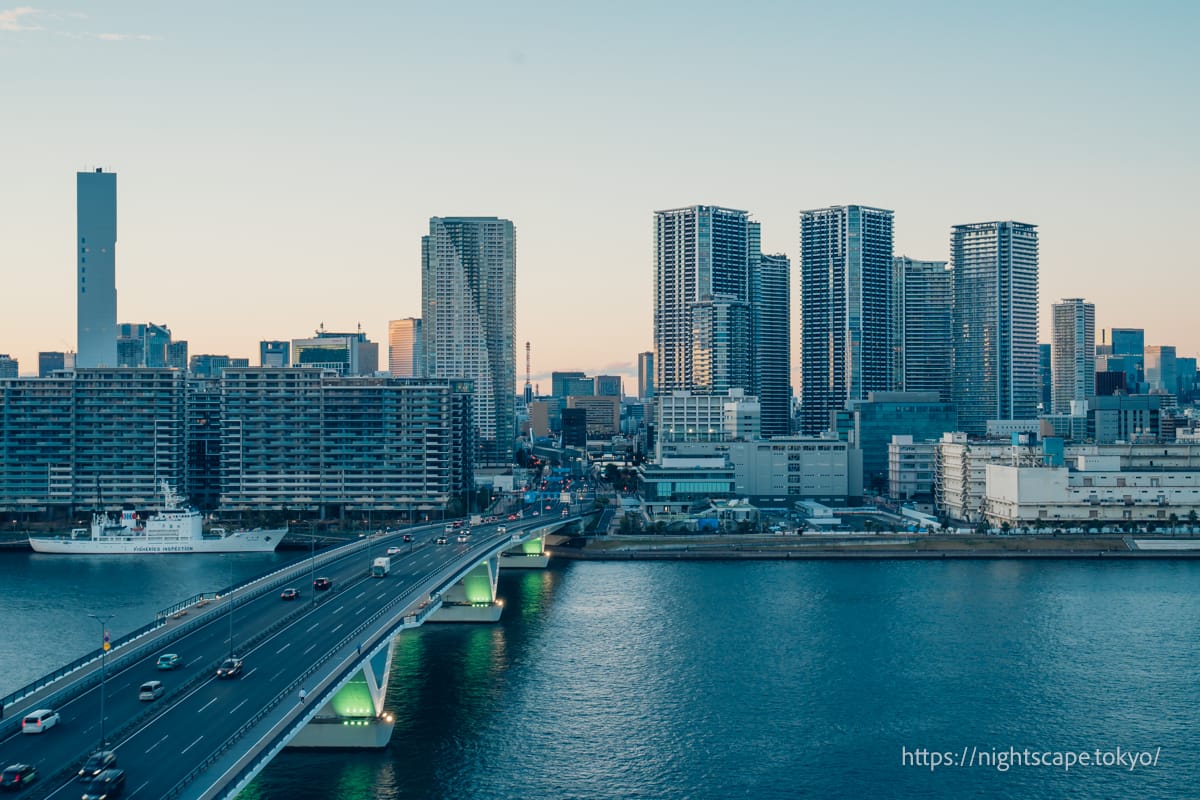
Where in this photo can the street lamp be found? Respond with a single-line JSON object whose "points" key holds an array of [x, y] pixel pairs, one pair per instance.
{"points": [[103, 620], [230, 599], [312, 568]]}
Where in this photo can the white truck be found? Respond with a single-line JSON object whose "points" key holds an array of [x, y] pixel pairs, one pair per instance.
{"points": [[381, 567], [477, 519]]}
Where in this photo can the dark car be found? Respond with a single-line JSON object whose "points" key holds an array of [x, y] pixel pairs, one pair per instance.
{"points": [[230, 668], [322, 584], [97, 762], [106, 785], [408, 537], [289, 594], [17, 776]]}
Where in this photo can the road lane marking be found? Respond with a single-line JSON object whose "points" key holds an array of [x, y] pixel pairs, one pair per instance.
{"points": [[251, 672], [310, 648], [209, 703], [313, 627], [143, 786], [285, 647], [239, 705], [338, 610], [277, 674], [190, 746], [360, 594], [335, 630], [156, 744]]}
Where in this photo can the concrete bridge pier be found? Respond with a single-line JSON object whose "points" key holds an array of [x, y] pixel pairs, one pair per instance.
{"points": [[353, 718], [529, 554], [473, 599]]}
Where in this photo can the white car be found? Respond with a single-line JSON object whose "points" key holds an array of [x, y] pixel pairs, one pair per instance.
{"points": [[393, 551], [39, 721]]}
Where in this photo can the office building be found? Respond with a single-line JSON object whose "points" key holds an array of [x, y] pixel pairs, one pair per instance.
{"points": [[344, 353], [645, 375], [873, 421], [609, 386], [208, 365], [996, 355], [1133, 418], [274, 353], [1045, 377], [922, 313], [50, 362], [702, 316], [579, 387], [468, 298], [404, 348], [1073, 362], [574, 427], [603, 415], [1162, 373], [845, 292], [177, 354], [96, 278], [1185, 376], [910, 468], [9, 366], [143, 345]]}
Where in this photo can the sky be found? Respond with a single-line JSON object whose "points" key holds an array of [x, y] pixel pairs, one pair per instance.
{"points": [[278, 166]]}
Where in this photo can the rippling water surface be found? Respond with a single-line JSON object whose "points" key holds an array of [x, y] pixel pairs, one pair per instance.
{"points": [[778, 680]]}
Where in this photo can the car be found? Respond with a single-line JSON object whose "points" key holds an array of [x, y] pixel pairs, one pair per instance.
{"points": [[536, 513], [169, 661], [230, 668], [39, 721], [461, 539], [466, 532], [511, 517], [17, 776], [440, 540], [96, 763], [516, 537], [393, 551], [566, 513], [151, 690], [106, 785], [321, 584], [408, 537], [502, 529], [289, 594]]}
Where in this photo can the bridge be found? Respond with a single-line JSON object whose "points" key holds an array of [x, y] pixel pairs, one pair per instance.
{"points": [[207, 738]]}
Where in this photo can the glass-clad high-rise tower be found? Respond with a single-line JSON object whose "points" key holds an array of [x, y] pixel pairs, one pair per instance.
{"points": [[468, 320], [845, 322], [1073, 359], [96, 273], [995, 322]]}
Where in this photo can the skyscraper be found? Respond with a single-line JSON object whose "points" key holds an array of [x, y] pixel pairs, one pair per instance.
{"points": [[995, 322], [468, 311], [770, 301], [1161, 370], [404, 348], [922, 311], [1073, 363], [645, 375], [702, 319], [96, 278], [845, 326], [274, 353]]}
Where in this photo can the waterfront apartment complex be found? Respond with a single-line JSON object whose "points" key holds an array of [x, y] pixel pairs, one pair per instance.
{"points": [[468, 313], [922, 316], [845, 291], [995, 322], [96, 275]]}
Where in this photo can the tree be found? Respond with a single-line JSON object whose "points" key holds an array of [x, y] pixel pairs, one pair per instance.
{"points": [[1192, 521], [1005, 527], [1174, 518]]}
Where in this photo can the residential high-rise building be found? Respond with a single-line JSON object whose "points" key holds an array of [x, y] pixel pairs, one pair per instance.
{"points": [[770, 303], [845, 324], [96, 278], [922, 312], [468, 312], [702, 321], [404, 348], [1074, 358], [274, 353], [995, 322], [1045, 376], [645, 375]]}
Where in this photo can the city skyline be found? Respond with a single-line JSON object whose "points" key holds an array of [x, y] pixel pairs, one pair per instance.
{"points": [[266, 200]]}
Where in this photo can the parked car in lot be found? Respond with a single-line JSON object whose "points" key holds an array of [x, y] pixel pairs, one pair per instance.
{"points": [[289, 594], [393, 551], [151, 690], [96, 763], [106, 785], [39, 721], [17, 776], [321, 584], [230, 668], [169, 661]]}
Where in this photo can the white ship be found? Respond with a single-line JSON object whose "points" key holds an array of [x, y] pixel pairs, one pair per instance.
{"points": [[175, 529]]}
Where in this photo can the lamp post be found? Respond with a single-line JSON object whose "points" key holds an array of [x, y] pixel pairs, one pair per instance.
{"points": [[230, 599], [103, 620], [312, 567]]}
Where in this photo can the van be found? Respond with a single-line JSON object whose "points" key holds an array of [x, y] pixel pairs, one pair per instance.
{"points": [[39, 721], [151, 690]]}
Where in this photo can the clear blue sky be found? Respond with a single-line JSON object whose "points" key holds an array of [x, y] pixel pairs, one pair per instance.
{"points": [[278, 167]]}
